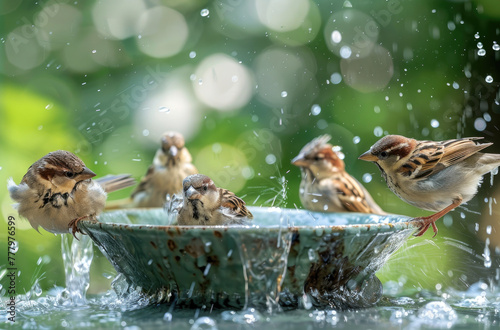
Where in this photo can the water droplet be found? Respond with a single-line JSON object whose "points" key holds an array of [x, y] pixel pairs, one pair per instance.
{"points": [[345, 52], [451, 26], [49, 106], [495, 46], [315, 110], [336, 36], [434, 123], [94, 51], [488, 79], [481, 52], [488, 230], [456, 85], [270, 159], [204, 12], [284, 94], [192, 54], [356, 139], [336, 78], [145, 132], [367, 177], [167, 317], [476, 35], [376, 109], [84, 83], [311, 254], [480, 124], [479, 45], [378, 131], [164, 109]]}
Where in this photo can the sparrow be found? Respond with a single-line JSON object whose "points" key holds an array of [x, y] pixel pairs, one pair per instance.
{"points": [[206, 205], [436, 176], [325, 184], [171, 164], [57, 192]]}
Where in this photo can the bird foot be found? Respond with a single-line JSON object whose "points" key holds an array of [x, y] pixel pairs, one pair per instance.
{"points": [[73, 224], [424, 224]]}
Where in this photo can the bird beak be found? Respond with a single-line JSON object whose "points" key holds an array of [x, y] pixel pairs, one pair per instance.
{"points": [[368, 156], [300, 161], [191, 193], [173, 151], [86, 174]]}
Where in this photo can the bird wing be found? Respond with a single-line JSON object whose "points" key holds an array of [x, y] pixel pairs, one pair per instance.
{"points": [[235, 204], [353, 197], [112, 183], [432, 157], [146, 179]]}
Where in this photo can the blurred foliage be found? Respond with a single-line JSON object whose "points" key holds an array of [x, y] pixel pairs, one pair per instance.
{"points": [[70, 79]]}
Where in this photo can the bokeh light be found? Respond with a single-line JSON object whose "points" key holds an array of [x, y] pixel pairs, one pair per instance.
{"points": [[273, 15], [224, 164], [222, 83], [162, 32], [350, 32], [115, 20], [368, 74]]}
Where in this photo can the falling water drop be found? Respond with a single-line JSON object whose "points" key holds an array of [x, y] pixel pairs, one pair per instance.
{"points": [[192, 54], [434, 123], [204, 12], [356, 139], [481, 52], [367, 177], [495, 46], [284, 94], [315, 110], [488, 79], [164, 109]]}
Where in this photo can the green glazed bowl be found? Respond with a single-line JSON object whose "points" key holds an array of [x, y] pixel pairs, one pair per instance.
{"points": [[287, 257]]}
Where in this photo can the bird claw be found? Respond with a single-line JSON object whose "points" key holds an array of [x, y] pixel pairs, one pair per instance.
{"points": [[73, 224], [425, 223]]}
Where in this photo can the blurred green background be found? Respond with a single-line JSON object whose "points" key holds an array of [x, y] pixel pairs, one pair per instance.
{"points": [[249, 83]]}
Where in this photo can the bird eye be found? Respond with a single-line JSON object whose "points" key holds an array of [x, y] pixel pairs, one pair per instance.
{"points": [[383, 155], [69, 175], [316, 158], [205, 188]]}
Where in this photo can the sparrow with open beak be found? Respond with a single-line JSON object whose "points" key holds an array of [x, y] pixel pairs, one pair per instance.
{"points": [[206, 205], [432, 175], [325, 184]]}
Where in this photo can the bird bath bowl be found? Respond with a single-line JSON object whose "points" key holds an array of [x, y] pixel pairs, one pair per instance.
{"points": [[286, 256]]}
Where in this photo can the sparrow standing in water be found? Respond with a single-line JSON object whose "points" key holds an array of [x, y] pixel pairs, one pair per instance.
{"points": [[205, 204], [436, 176], [325, 185], [58, 191], [171, 164]]}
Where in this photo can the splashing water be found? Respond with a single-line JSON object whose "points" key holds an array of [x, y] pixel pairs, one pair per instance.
{"points": [[77, 258]]}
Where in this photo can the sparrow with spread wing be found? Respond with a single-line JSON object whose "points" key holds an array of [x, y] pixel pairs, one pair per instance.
{"points": [[432, 175]]}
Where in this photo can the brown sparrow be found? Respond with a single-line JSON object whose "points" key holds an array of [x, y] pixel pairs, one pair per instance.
{"points": [[325, 185], [171, 164], [206, 205], [57, 192], [432, 175]]}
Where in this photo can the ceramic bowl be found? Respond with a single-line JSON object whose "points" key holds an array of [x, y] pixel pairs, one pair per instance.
{"points": [[286, 256]]}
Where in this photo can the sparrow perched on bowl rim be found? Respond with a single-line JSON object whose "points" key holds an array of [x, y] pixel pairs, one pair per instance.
{"points": [[206, 205], [325, 184], [58, 191], [171, 164], [436, 176]]}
